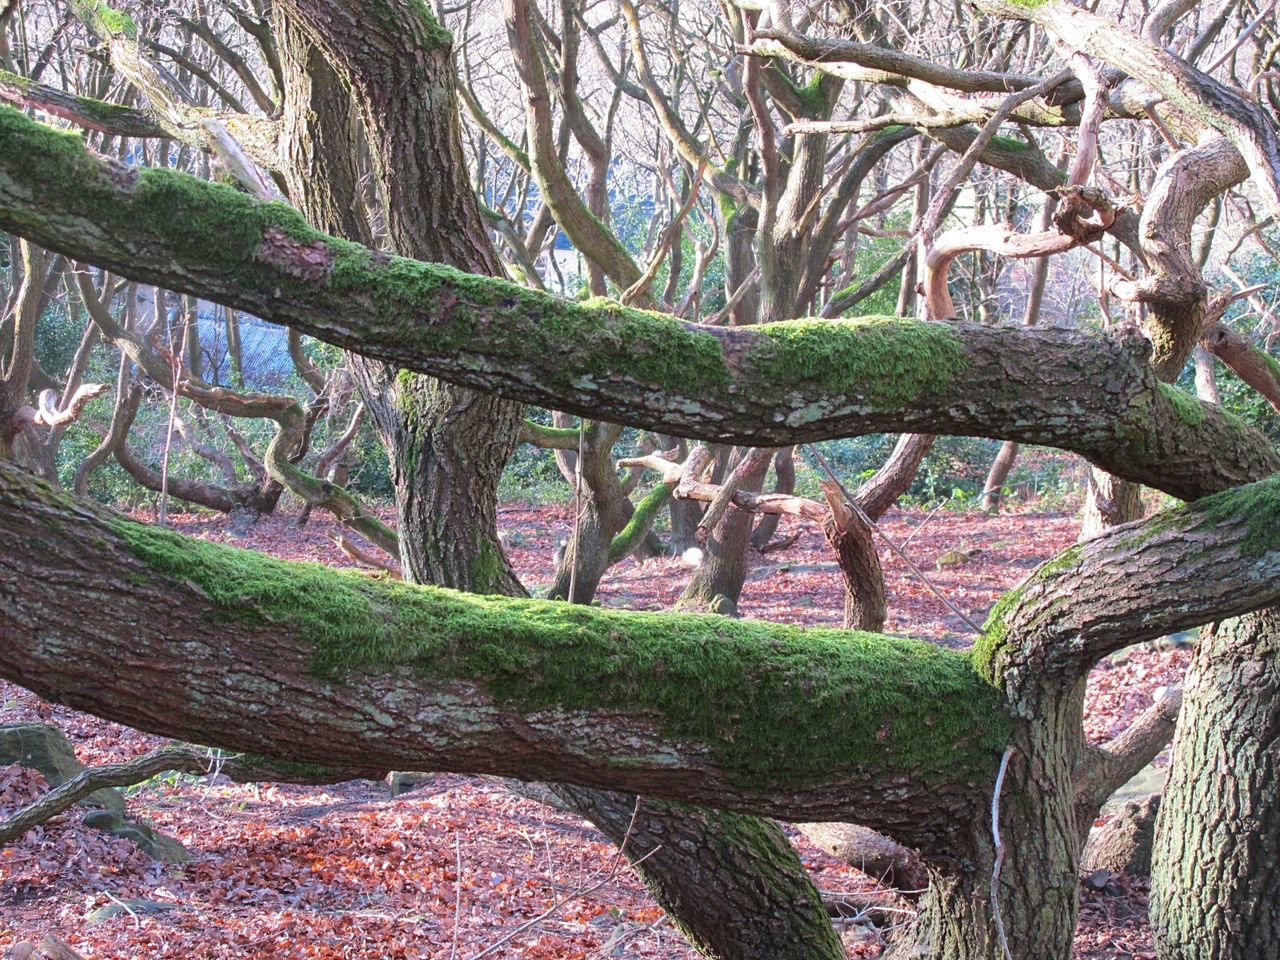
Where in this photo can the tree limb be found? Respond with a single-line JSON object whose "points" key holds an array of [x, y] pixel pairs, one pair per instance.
{"points": [[773, 384], [1108, 767]]}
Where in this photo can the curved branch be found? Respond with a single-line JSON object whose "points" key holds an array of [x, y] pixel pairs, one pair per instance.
{"points": [[1108, 767], [1251, 364], [364, 673], [769, 385], [1215, 558], [1208, 102], [881, 64]]}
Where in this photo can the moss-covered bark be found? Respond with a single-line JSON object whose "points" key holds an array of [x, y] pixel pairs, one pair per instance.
{"points": [[773, 384], [357, 671], [446, 444]]}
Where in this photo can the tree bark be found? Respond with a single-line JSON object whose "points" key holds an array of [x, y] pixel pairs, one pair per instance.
{"points": [[733, 884], [1063, 388], [1215, 889], [998, 475], [447, 445]]}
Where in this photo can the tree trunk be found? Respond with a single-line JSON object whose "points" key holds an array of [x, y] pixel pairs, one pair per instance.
{"points": [[733, 883], [447, 445], [1109, 503], [784, 468], [1001, 467], [604, 510], [1038, 888], [717, 583], [1215, 886]]}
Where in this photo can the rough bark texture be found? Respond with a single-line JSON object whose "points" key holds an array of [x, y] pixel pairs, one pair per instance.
{"points": [[1123, 844], [777, 915], [770, 384], [530, 689], [447, 444], [872, 853], [1215, 891]]}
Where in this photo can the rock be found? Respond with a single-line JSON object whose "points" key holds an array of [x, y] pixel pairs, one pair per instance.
{"points": [[138, 907], [1123, 843], [402, 781], [722, 605], [1097, 880], [154, 844], [43, 747]]}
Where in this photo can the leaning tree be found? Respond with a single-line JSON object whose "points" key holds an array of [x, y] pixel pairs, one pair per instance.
{"points": [[976, 760]]}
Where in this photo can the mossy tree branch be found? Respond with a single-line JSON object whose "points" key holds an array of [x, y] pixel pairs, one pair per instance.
{"points": [[1215, 558], [753, 717], [111, 118], [774, 384], [364, 673]]}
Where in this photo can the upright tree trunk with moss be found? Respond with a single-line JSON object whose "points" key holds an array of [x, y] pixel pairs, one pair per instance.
{"points": [[601, 511], [447, 445], [717, 583], [1218, 832]]}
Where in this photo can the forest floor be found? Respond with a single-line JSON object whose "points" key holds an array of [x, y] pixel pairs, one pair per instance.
{"points": [[460, 868]]}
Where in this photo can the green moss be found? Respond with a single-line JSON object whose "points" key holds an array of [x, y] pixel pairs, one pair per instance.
{"points": [[1257, 504], [641, 520], [1187, 408], [770, 701], [1010, 143], [551, 435], [486, 571], [989, 648], [214, 227], [887, 361], [877, 363], [430, 31], [106, 21]]}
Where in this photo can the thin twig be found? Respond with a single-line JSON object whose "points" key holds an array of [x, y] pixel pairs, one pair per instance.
{"points": [[457, 892], [999, 845]]}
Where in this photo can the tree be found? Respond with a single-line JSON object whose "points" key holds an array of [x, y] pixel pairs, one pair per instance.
{"points": [[924, 745]]}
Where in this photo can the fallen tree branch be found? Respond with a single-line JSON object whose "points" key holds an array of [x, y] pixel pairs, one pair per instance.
{"points": [[181, 759]]}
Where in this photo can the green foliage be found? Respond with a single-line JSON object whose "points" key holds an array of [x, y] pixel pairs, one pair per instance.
{"points": [[770, 701], [873, 253]]}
